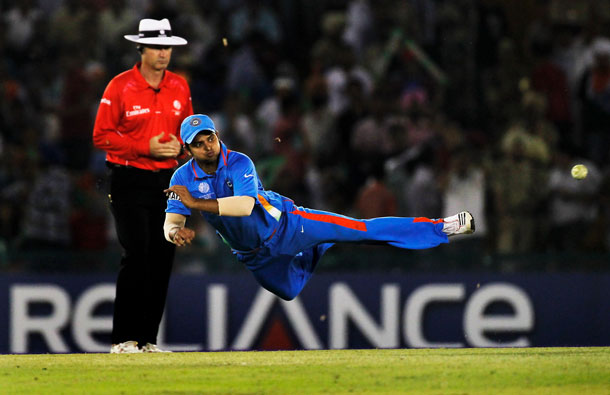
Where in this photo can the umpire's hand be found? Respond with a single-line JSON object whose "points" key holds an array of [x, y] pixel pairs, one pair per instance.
{"points": [[164, 148]]}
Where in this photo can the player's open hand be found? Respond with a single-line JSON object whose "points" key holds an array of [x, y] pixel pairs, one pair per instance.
{"points": [[164, 147], [183, 193], [184, 236]]}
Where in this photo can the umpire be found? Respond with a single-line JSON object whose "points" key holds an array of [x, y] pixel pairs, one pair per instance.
{"points": [[138, 125]]}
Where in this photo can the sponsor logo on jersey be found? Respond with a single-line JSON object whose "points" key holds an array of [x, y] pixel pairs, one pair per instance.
{"points": [[177, 105], [105, 101], [203, 187], [137, 111], [173, 196]]}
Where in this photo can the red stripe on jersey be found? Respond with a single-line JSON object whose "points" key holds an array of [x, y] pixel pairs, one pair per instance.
{"points": [[194, 169], [332, 219], [424, 219], [224, 157]]}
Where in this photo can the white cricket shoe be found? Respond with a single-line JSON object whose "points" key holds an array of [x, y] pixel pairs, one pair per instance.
{"points": [[460, 224], [128, 347], [149, 347]]}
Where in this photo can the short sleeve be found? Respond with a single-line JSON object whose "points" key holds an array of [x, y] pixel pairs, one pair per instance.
{"points": [[244, 177], [174, 205]]}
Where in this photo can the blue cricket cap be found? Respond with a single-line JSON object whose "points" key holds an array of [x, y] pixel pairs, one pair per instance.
{"points": [[194, 124]]}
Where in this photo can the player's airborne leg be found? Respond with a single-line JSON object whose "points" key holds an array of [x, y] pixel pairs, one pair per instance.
{"points": [[286, 263], [312, 227]]}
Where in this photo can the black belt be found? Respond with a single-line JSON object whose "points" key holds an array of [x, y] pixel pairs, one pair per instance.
{"points": [[112, 165]]}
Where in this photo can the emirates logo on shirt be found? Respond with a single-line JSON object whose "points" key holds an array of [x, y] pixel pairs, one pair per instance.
{"points": [[137, 110]]}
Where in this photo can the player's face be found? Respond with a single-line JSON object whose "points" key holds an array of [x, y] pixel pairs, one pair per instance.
{"points": [[156, 57], [205, 148]]}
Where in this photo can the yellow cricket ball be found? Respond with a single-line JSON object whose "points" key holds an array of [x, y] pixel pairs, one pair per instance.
{"points": [[579, 171]]}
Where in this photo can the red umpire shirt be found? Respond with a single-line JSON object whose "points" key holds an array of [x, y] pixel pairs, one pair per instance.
{"points": [[131, 112]]}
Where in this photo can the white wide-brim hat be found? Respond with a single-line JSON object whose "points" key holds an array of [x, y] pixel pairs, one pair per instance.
{"points": [[154, 32]]}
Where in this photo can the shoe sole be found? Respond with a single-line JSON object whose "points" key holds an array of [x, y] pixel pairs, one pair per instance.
{"points": [[471, 228], [124, 348]]}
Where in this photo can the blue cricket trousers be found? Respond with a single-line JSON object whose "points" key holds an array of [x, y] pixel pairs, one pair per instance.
{"points": [[285, 262]]}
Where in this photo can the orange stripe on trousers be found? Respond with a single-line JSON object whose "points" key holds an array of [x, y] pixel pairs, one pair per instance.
{"points": [[424, 219], [331, 219]]}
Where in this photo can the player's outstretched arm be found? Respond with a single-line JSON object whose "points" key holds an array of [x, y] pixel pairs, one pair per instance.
{"points": [[231, 206], [209, 205], [235, 206]]}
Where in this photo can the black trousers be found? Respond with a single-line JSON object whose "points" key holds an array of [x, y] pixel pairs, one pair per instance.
{"points": [[138, 205]]}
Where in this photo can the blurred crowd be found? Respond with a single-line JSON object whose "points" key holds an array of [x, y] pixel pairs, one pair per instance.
{"points": [[367, 108]]}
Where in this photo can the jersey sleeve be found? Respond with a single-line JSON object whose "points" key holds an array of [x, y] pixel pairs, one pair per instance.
{"points": [[174, 205], [244, 177], [106, 135]]}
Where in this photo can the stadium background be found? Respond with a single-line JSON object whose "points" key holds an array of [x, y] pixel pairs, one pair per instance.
{"points": [[368, 108]]}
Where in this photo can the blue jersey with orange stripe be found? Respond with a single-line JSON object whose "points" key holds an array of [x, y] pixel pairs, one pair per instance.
{"points": [[281, 243], [235, 176]]}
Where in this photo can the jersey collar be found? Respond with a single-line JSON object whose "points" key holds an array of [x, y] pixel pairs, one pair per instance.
{"points": [[222, 162], [142, 82]]}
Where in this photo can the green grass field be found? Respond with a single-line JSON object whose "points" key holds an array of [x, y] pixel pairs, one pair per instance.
{"points": [[438, 371]]}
